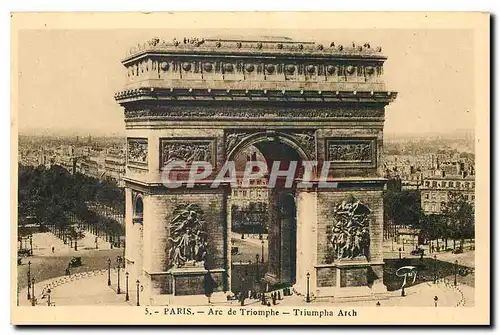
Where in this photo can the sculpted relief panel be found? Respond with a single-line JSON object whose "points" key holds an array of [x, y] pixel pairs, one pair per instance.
{"points": [[137, 151], [187, 150], [351, 152]]}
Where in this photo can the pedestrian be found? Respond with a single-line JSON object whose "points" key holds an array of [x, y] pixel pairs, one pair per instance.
{"points": [[209, 285], [242, 298], [52, 249]]}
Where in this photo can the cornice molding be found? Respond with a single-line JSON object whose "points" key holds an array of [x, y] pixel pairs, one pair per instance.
{"points": [[272, 95]]}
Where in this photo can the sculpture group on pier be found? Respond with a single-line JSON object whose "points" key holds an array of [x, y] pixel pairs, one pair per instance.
{"points": [[350, 233], [188, 243]]}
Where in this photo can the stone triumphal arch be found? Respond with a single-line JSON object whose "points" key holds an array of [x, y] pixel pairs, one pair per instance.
{"points": [[209, 99]]}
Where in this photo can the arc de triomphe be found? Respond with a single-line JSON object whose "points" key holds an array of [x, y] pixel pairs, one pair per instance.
{"points": [[201, 99]]}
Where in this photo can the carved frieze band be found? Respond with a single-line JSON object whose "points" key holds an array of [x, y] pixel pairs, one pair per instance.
{"points": [[351, 152], [187, 149], [304, 69], [137, 151], [287, 69], [245, 113]]}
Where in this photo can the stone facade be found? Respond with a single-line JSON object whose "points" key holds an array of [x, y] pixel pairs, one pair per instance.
{"points": [[208, 100]]}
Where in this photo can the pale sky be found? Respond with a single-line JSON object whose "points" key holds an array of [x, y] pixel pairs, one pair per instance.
{"points": [[67, 78]]}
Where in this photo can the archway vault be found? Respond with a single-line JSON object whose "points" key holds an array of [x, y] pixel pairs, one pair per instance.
{"points": [[303, 141]]}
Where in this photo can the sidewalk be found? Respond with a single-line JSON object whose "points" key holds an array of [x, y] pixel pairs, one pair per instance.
{"points": [[250, 239], [421, 295], [94, 290], [43, 243], [465, 259], [90, 288]]}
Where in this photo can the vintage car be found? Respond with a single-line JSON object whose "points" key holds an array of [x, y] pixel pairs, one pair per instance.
{"points": [[418, 252], [75, 262]]}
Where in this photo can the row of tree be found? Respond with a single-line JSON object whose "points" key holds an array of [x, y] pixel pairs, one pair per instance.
{"points": [[402, 209], [57, 199]]}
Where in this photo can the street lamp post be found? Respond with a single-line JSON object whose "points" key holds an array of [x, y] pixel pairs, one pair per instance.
{"points": [[126, 286], [308, 297], [403, 244], [257, 267], [109, 272], [118, 282], [49, 291], [31, 245], [29, 280], [76, 242], [32, 291], [262, 244], [435, 269], [137, 282], [455, 280]]}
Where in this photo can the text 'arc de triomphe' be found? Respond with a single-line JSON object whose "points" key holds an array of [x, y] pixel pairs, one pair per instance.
{"points": [[209, 99]]}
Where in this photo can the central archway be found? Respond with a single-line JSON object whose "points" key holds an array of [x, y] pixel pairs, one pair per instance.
{"points": [[275, 264]]}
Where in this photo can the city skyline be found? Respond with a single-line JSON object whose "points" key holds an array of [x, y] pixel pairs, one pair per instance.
{"points": [[68, 78]]}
